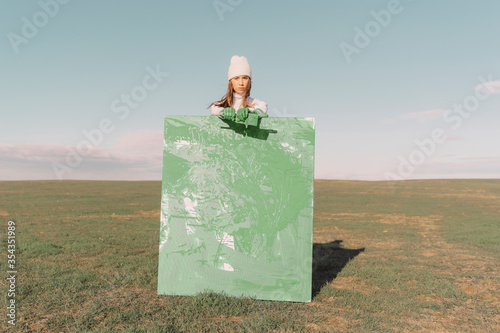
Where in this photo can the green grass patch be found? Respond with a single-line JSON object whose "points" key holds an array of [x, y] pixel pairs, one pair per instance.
{"points": [[388, 257]]}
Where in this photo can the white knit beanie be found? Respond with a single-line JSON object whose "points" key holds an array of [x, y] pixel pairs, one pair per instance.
{"points": [[239, 66]]}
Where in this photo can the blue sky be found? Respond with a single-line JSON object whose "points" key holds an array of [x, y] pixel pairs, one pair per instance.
{"points": [[399, 89]]}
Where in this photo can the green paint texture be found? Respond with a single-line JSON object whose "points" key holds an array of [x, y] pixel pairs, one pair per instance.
{"points": [[237, 208]]}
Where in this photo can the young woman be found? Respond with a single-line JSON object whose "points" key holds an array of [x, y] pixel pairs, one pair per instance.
{"points": [[236, 104]]}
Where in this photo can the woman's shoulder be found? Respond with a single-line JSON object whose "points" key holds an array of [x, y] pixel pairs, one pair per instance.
{"points": [[215, 110]]}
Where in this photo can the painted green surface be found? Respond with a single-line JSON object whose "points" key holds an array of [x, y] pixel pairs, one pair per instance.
{"points": [[237, 208]]}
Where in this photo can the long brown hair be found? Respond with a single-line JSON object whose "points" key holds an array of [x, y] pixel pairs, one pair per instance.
{"points": [[227, 100]]}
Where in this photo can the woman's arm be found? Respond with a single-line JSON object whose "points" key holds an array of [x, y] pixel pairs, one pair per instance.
{"points": [[257, 104], [215, 110]]}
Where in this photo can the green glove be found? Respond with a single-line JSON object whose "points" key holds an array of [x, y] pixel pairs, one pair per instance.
{"points": [[261, 113], [228, 113], [252, 120], [242, 114]]}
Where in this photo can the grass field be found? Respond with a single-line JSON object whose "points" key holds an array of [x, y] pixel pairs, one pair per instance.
{"points": [[408, 256]]}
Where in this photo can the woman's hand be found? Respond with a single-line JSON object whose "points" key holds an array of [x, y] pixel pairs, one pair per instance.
{"points": [[242, 114], [228, 113], [261, 113]]}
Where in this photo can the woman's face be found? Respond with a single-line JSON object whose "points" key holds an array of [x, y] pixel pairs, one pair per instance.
{"points": [[240, 84]]}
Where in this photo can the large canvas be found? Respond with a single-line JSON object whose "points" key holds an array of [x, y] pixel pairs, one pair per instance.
{"points": [[237, 208]]}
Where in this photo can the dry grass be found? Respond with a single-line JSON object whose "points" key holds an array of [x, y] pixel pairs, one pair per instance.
{"points": [[417, 256]]}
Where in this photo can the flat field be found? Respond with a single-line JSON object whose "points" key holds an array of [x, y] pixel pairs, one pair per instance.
{"points": [[408, 256]]}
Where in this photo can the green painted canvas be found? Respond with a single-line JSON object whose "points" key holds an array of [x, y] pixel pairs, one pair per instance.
{"points": [[237, 208]]}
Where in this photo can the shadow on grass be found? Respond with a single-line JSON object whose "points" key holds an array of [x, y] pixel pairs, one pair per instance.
{"points": [[328, 260]]}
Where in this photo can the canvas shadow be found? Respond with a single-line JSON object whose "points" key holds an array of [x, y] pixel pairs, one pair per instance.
{"points": [[328, 260], [252, 131]]}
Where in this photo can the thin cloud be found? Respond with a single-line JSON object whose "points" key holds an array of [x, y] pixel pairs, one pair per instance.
{"points": [[135, 156], [493, 160], [142, 143], [473, 165], [487, 88], [46, 152]]}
